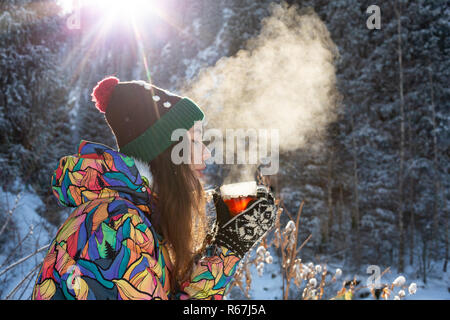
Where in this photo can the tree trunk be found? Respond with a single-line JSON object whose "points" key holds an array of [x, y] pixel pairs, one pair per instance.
{"points": [[341, 208], [355, 213], [411, 189], [402, 144], [330, 197], [446, 238], [437, 185], [424, 257], [412, 227]]}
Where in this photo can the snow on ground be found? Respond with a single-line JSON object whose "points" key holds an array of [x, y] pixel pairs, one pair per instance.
{"points": [[269, 285], [20, 242], [435, 289]]}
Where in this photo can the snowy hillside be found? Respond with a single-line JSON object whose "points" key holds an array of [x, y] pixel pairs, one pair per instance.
{"points": [[27, 233]]}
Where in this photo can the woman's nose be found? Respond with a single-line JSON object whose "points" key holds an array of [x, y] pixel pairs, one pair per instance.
{"points": [[206, 153]]}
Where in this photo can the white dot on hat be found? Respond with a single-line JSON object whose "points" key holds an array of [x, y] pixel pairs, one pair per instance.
{"points": [[167, 104], [147, 86], [156, 98]]}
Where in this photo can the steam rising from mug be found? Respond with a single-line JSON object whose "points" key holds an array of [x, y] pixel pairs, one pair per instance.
{"points": [[284, 80]]}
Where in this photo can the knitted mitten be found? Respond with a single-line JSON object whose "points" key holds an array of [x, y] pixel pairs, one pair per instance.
{"points": [[240, 233]]}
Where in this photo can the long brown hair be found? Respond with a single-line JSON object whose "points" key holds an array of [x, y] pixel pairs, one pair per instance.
{"points": [[181, 203]]}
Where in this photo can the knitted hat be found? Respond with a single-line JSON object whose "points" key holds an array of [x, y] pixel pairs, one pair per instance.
{"points": [[143, 116]]}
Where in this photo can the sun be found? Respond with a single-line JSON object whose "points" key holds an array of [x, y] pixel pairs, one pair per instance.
{"points": [[113, 14], [123, 9], [134, 9]]}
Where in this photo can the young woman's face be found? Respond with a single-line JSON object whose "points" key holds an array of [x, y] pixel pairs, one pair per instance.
{"points": [[198, 146]]}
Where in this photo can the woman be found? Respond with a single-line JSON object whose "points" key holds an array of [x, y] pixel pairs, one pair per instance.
{"points": [[138, 228]]}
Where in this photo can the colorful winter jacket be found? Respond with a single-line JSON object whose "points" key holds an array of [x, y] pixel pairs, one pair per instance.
{"points": [[107, 248]]}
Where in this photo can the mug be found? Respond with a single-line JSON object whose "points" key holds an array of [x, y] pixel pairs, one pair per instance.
{"points": [[237, 196]]}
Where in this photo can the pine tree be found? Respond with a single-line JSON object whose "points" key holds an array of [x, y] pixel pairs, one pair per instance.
{"points": [[34, 115], [31, 86]]}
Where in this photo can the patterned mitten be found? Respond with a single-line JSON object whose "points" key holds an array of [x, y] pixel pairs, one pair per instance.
{"points": [[240, 233]]}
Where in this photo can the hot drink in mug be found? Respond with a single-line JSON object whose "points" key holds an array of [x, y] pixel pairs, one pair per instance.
{"points": [[237, 196]]}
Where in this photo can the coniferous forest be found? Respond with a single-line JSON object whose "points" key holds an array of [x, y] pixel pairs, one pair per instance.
{"points": [[374, 180]]}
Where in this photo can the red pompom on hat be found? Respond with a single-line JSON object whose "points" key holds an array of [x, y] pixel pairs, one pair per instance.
{"points": [[102, 92]]}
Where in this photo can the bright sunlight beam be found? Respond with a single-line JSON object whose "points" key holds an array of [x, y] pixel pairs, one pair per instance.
{"points": [[126, 9], [115, 12], [134, 9]]}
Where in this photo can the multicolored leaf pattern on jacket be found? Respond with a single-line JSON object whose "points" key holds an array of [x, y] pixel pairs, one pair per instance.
{"points": [[107, 248]]}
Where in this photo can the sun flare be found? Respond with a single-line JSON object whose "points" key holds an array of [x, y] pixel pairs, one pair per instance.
{"points": [[126, 9], [115, 14]]}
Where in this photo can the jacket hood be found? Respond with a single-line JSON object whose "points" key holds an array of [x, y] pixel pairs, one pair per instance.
{"points": [[98, 171]]}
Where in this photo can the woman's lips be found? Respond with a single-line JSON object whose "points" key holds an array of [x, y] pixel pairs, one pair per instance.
{"points": [[200, 171]]}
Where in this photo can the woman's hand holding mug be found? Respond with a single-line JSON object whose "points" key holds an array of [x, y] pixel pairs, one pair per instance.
{"points": [[251, 216]]}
